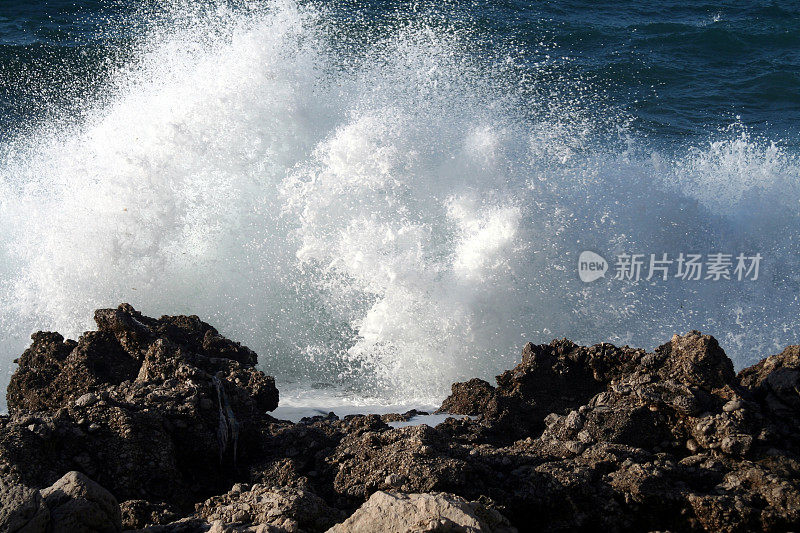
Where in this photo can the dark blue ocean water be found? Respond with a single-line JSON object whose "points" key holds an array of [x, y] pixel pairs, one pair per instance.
{"points": [[679, 68]]}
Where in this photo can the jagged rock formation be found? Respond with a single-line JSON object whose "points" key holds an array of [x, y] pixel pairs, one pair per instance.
{"points": [[158, 410], [170, 418], [642, 441], [775, 384]]}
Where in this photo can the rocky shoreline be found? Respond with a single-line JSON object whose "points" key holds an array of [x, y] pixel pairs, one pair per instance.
{"points": [[163, 426]]}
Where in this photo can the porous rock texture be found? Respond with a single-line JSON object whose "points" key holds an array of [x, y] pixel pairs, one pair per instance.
{"points": [[76, 503], [436, 511], [73, 504], [171, 420], [158, 410], [22, 508]]}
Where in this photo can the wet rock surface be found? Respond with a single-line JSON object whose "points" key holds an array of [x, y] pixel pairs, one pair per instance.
{"points": [[169, 419]]}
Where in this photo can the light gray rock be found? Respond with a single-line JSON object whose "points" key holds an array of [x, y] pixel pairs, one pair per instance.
{"points": [[268, 508], [79, 505], [573, 422], [732, 405], [393, 480], [411, 513], [86, 400]]}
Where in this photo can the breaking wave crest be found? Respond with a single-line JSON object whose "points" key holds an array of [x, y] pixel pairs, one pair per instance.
{"points": [[384, 209]]}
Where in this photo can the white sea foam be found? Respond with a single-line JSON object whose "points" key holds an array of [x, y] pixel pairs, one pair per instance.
{"points": [[389, 215]]}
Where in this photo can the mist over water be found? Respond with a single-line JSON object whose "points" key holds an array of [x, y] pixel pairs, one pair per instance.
{"points": [[386, 209]]}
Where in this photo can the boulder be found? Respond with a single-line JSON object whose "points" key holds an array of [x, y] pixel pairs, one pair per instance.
{"points": [[79, 505], [391, 512], [282, 508], [473, 397], [697, 360]]}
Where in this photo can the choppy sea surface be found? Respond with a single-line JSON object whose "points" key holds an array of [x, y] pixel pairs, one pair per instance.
{"points": [[381, 198]]}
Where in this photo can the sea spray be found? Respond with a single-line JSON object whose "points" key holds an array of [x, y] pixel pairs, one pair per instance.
{"points": [[386, 216]]}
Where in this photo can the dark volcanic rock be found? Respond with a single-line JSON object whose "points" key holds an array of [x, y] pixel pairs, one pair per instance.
{"points": [[137, 514], [22, 509], [633, 440], [162, 410], [551, 378], [473, 397], [52, 372], [170, 418], [775, 383], [562, 376]]}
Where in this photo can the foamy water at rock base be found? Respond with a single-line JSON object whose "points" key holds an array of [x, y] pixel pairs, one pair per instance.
{"points": [[379, 210]]}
